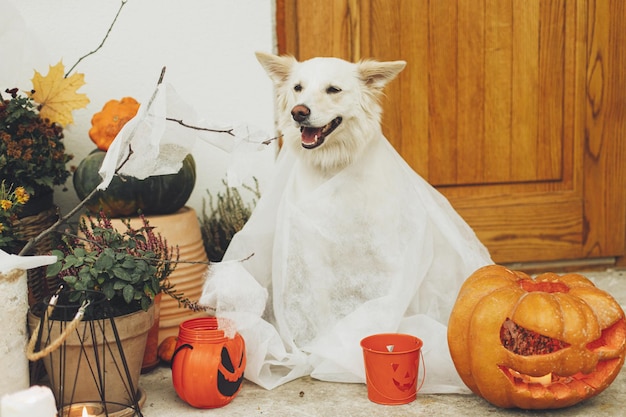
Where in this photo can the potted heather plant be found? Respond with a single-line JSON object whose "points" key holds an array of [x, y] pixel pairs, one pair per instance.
{"points": [[114, 276], [130, 267]]}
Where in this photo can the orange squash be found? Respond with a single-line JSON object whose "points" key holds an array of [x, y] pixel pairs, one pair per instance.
{"points": [[548, 342], [166, 348], [106, 124]]}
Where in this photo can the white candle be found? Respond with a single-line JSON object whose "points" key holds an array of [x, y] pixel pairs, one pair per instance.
{"points": [[34, 401], [14, 302], [82, 410]]}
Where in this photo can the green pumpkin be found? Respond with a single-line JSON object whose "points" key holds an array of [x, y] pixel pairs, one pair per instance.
{"points": [[125, 196]]}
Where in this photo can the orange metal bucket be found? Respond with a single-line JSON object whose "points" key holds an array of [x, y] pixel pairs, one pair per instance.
{"points": [[392, 367]]}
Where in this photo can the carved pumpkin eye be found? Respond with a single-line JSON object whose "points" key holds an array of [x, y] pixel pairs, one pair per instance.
{"points": [[526, 342]]}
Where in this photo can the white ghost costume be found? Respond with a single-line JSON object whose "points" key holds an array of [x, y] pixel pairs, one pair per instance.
{"points": [[338, 255], [374, 249]]}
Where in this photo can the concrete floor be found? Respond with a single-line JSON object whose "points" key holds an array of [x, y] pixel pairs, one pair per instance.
{"points": [[311, 398]]}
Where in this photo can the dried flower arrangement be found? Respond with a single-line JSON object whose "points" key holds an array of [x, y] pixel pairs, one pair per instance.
{"points": [[226, 217], [12, 199], [32, 153]]}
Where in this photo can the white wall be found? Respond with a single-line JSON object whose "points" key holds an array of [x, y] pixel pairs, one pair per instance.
{"points": [[207, 46]]}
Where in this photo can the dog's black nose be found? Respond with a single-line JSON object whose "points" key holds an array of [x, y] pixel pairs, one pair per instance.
{"points": [[300, 113]]}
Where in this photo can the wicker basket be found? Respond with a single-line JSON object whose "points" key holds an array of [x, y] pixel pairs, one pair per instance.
{"points": [[39, 287]]}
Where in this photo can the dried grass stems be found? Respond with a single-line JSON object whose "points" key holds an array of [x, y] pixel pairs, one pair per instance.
{"points": [[226, 216]]}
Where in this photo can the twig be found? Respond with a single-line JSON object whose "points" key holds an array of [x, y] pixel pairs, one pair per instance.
{"points": [[247, 257], [29, 245], [206, 129], [184, 301], [180, 122], [33, 241], [154, 94], [268, 141], [101, 43]]}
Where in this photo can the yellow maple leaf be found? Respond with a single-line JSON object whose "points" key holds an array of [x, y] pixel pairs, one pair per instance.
{"points": [[57, 95]]}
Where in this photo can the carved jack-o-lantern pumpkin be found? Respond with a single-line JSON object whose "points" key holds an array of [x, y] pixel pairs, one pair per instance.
{"points": [[548, 342], [207, 366]]}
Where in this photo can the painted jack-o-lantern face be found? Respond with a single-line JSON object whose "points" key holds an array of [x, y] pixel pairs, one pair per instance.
{"points": [[550, 342], [207, 366]]}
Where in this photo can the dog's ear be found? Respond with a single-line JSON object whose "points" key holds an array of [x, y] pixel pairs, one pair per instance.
{"points": [[377, 74], [277, 67]]}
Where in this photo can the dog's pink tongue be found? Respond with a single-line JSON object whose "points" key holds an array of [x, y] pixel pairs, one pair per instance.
{"points": [[310, 135]]}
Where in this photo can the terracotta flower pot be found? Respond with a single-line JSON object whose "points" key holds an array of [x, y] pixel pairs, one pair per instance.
{"points": [[90, 360], [150, 354], [183, 230]]}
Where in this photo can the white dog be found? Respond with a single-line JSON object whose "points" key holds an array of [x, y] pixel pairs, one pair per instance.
{"points": [[349, 241], [329, 98]]}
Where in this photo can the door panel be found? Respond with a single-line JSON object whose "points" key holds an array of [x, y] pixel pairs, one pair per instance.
{"points": [[514, 109]]}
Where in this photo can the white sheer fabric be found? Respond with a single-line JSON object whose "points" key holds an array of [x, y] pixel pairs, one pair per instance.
{"points": [[372, 249]]}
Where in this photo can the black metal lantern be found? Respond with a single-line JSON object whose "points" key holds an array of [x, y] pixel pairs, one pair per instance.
{"points": [[82, 347]]}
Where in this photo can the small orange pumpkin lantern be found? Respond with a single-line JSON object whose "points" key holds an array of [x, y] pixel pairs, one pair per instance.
{"points": [[207, 366], [548, 342]]}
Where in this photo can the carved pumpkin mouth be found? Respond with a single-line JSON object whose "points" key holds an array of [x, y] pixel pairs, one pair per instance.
{"points": [[562, 384], [524, 342], [535, 343]]}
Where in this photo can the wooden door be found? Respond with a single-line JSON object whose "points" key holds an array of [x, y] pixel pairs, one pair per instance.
{"points": [[514, 109]]}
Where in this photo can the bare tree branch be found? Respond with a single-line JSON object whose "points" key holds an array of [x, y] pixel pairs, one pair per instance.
{"points": [[206, 129], [101, 43], [226, 131], [33, 241]]}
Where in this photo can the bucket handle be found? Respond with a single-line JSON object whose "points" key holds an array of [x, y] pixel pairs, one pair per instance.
{"points": [[178, 349], [30, 348], [423, 373]]}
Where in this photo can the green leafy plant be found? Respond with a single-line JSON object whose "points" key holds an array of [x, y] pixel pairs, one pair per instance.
{"points": [[129, 267], [226, 217]]}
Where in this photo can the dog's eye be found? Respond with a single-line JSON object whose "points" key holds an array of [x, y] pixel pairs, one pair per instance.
{"points": [[297, 88], [333, 90]]}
